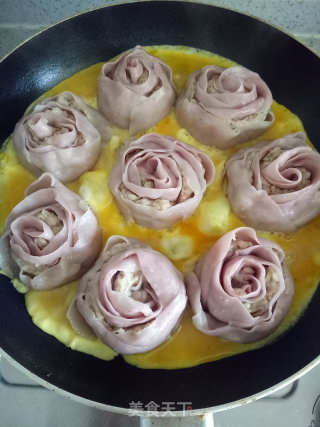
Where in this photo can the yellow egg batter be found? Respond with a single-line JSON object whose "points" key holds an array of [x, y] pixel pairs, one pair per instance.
{"points": [[183, 244]]}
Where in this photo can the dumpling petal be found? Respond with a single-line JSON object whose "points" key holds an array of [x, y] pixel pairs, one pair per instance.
{"points": [[274, 185], [50, 238], [132, 298], [223, 107], [136, 91], [241, 289], [61, 135]]}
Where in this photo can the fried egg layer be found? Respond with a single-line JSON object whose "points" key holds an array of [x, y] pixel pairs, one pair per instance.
{"points": [[183, 244]]}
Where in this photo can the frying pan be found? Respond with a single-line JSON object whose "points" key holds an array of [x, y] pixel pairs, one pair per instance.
{"points": [[291, 71]]}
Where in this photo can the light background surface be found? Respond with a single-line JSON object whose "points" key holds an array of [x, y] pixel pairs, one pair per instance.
{"points": [[20, 19]]}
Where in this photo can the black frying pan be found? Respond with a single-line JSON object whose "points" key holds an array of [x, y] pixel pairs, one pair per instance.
{"points": [[291, 71]]}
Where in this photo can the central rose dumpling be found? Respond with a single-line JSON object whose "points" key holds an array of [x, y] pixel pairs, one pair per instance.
{"points": [[136, 91], [225, 106], [159, 180], [241, 289], [132, 298]]}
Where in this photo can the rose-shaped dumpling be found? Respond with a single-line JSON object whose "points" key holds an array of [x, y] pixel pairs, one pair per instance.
{"points": [[275, 185], [50, 238], [241, 288], [136, 91], [158, 180], [61, 135], [223, 107], [132, 298]]}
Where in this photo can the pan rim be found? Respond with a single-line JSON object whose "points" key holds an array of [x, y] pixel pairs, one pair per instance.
{"points": [[123, 2], [121, 410], [151, 414]]}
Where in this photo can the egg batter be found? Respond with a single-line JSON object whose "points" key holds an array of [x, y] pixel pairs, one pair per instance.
{"points": [[183, 244]]}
